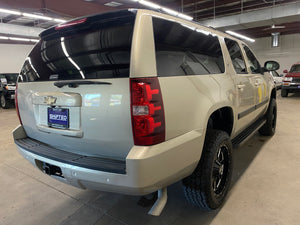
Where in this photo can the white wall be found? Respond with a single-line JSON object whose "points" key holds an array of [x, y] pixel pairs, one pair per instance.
{"points": [[12, 57], [286, 54]]}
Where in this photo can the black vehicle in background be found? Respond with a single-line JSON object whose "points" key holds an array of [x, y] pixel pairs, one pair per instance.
{"points": [[7, 89]]}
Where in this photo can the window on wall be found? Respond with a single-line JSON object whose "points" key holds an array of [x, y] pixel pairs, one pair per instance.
{"points": [[253, 62], [236, 56], [183, 50]]}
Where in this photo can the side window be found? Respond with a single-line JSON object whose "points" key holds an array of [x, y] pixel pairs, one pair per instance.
{"points": [[183, 50], [236, 56], [253, 62]]}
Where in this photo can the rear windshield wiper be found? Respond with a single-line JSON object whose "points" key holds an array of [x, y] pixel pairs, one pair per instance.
{"points": [[74, 84]]}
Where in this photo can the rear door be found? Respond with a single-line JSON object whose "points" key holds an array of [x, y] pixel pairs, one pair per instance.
{"points": [[73, 90], [244, 85]]}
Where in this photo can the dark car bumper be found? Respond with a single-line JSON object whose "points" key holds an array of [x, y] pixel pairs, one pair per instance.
{"points": [[9, 95], [292, 87]]}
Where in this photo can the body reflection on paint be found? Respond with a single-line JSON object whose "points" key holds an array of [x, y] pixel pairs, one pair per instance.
{"points": [[92, 100], [115, 100]]}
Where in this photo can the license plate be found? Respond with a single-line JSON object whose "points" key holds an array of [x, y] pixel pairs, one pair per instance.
{"points": [[12, 97], [58, 118], [298, 86]]}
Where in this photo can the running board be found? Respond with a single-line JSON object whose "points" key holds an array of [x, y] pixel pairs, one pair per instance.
{"points": [[248, 132]]}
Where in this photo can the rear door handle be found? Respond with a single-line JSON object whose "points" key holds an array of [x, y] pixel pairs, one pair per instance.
{"points": [[240, 86]]}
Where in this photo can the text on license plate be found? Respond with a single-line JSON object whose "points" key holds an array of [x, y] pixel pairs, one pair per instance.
{"points": [[58, 118]]}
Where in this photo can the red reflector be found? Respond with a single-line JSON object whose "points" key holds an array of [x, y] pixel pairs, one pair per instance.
{"points": [[147, 111], [69, 24]]}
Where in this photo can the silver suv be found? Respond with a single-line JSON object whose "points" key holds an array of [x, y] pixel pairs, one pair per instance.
{"points": [[133, 101]]}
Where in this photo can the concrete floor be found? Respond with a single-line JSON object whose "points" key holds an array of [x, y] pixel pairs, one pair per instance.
{"points": [[265, 187]]}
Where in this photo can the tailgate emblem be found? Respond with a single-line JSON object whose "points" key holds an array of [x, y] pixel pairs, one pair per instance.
{"points": [[49, 100]]}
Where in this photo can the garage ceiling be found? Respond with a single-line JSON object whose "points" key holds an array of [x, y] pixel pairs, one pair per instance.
{"points": [[217, 13]]}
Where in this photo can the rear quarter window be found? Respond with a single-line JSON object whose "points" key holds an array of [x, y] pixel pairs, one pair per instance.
{"points": [[182, 50], [99, 49]]}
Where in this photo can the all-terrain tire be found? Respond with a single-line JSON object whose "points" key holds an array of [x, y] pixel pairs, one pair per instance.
{"points": [[284, 92], [3, 102], [268, 129], [208, 185]]}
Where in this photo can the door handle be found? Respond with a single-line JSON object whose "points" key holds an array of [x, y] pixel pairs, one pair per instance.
{"points": [[241, 86]]}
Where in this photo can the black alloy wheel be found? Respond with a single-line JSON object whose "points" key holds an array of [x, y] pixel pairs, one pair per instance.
{"points": [[220, 170], [208, 185]]}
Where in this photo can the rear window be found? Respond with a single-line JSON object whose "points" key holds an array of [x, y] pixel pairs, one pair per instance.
{"points": [[99, 48], [183, 50]]}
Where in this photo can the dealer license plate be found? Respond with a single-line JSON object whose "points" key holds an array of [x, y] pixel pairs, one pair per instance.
{"points": [[58, 118]]}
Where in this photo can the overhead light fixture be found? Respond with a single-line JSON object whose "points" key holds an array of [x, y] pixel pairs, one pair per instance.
{"points": [[170, 11], [19, 39], [34, 40], [37, 16], [275, 39], [113, 4], [186, 17], [239, 36], [10, 11], [150, 4], [60, 20], [30, 15], [167, 10]]}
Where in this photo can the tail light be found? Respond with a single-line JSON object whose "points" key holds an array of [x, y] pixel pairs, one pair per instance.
{"points": [[16, 103], [147, 111]]}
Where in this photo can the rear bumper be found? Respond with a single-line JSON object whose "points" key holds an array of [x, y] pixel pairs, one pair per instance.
{"points": [[147, 169], [9, 95]]}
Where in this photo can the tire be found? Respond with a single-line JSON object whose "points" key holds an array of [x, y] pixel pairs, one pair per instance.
{"points": [[284, 92], [268, 129], [4, 103], [208, 185]]}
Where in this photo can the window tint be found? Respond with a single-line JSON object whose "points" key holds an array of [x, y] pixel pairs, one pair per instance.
{"points": [[253, 62], [98, 49], [183, 50], [236, 56]]}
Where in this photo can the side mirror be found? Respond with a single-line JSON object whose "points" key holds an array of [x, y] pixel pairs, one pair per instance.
{"points": [[285, 71], [271, 65]]}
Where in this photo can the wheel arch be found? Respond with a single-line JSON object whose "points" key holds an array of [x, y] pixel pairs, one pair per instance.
{"points": [[273, 93], [221, 119]]}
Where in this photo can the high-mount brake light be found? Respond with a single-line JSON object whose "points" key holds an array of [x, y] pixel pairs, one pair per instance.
{"points": [[16, 103], [147, 111], [69, 24]]}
